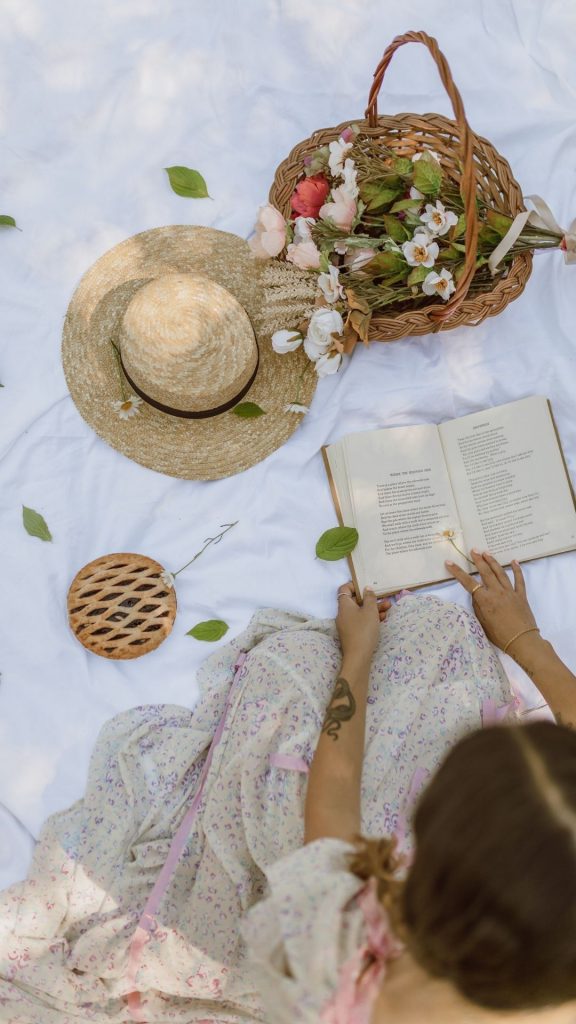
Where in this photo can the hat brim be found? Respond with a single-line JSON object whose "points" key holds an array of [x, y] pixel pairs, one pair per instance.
{"points": [[207, 449]]}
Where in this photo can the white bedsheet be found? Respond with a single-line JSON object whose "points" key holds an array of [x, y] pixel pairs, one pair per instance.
{"points": [[96, 98]]}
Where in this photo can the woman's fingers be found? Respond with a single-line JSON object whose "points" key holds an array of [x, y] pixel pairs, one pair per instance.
{"points": [[498, 571], [486, 571], [384, 606], [519, 584], [347, 590], [467, 581]]}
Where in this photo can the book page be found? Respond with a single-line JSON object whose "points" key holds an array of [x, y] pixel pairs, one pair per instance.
{"points": [[403, 506], [508, 476]]}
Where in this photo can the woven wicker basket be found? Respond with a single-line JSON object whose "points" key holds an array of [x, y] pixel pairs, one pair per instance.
{"points": [[469, 160]]}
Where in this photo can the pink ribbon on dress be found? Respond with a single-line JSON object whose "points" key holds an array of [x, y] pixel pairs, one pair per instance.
{"points": [[290, 762], [147, 922], [362, 975], [492, 714]]}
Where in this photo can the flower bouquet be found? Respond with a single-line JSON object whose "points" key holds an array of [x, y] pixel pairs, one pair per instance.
{"points": [[399, 231]]}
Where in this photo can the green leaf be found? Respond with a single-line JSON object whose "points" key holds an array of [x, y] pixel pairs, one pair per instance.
{"points": [[417, 275], [248, 410], [9, 222], [385, 263], [487, 236], [402, 165], [498, 222], [377, 194], [188, 183], [450, 252], [395, 228], [35, 524], [324, 263], [406, 204], [427, 177], [336, 543], [209, 631]]}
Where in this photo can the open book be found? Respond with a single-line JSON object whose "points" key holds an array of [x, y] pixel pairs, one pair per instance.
{"points": [[496, 481]]}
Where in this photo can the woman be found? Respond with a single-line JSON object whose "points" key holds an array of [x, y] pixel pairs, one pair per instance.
{"points": [[133, 903], [482, 926]]}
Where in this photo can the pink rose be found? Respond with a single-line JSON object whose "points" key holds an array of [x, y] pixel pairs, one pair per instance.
{"points": [[270, 236], [341, 210], [305, 255], [309, 195]]}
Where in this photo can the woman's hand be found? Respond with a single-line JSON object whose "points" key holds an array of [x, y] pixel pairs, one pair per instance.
{"points": [[357, 624], [501, 608]]}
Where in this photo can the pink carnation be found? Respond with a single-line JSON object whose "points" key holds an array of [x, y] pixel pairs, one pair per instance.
{"points": [[309, 195]]}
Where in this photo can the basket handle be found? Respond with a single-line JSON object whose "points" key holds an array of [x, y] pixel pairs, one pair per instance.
{"points": [[468, 182]]}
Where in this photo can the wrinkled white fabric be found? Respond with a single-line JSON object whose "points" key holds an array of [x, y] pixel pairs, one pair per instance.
{"points": [[96, 98]]}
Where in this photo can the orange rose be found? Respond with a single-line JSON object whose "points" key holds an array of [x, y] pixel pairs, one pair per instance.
{"points": [[310, 195]]}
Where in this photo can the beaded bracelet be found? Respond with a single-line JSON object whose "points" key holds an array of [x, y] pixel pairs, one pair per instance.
{"points": [[532, 629]]}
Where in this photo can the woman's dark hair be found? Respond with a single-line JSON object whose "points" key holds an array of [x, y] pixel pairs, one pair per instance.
{"points": [[489, 902]]}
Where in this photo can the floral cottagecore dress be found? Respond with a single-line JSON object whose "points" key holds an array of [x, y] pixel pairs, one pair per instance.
{"points": [[193, 821]]}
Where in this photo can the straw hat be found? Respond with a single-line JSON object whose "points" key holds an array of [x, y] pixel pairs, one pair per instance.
{"points": [[181, 317]]}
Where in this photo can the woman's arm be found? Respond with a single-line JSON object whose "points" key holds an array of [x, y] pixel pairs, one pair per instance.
{"points": [[333, 795], [504, 612]]}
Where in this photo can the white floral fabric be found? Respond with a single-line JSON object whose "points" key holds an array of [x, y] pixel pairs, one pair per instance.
{"points": [[66, 932]]}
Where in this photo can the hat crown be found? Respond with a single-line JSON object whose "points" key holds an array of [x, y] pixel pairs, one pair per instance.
{"points": [[187, 343]]}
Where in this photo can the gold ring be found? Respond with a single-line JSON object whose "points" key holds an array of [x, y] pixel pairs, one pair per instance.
{"points": [[477, 587]]}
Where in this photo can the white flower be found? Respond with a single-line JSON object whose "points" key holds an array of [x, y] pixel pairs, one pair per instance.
{"points": [[286, 341], [330, 286], [438, 219], [439, 284], [328, 364], [431, 152], [167, 578], [415, 193], [270, 236], [420, 252], [295, 407], [126, 408], [324, 322], [340, 247], [349, 174], [303, 229], [338, 151]]}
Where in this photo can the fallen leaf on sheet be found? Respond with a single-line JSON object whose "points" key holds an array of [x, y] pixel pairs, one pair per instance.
{"points": [[210, 631], [188, 183], [7, 221], [336, 543], [35, 524]]}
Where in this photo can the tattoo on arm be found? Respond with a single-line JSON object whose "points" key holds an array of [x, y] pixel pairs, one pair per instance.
{"points": [[341, 708]]}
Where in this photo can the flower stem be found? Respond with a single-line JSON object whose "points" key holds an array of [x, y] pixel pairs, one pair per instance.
{"points": [[456, 548], [300, 379], [119, 366], [209, 540]]}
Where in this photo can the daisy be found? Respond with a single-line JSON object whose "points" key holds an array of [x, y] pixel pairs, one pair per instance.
{"points": [[128, 407]]}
